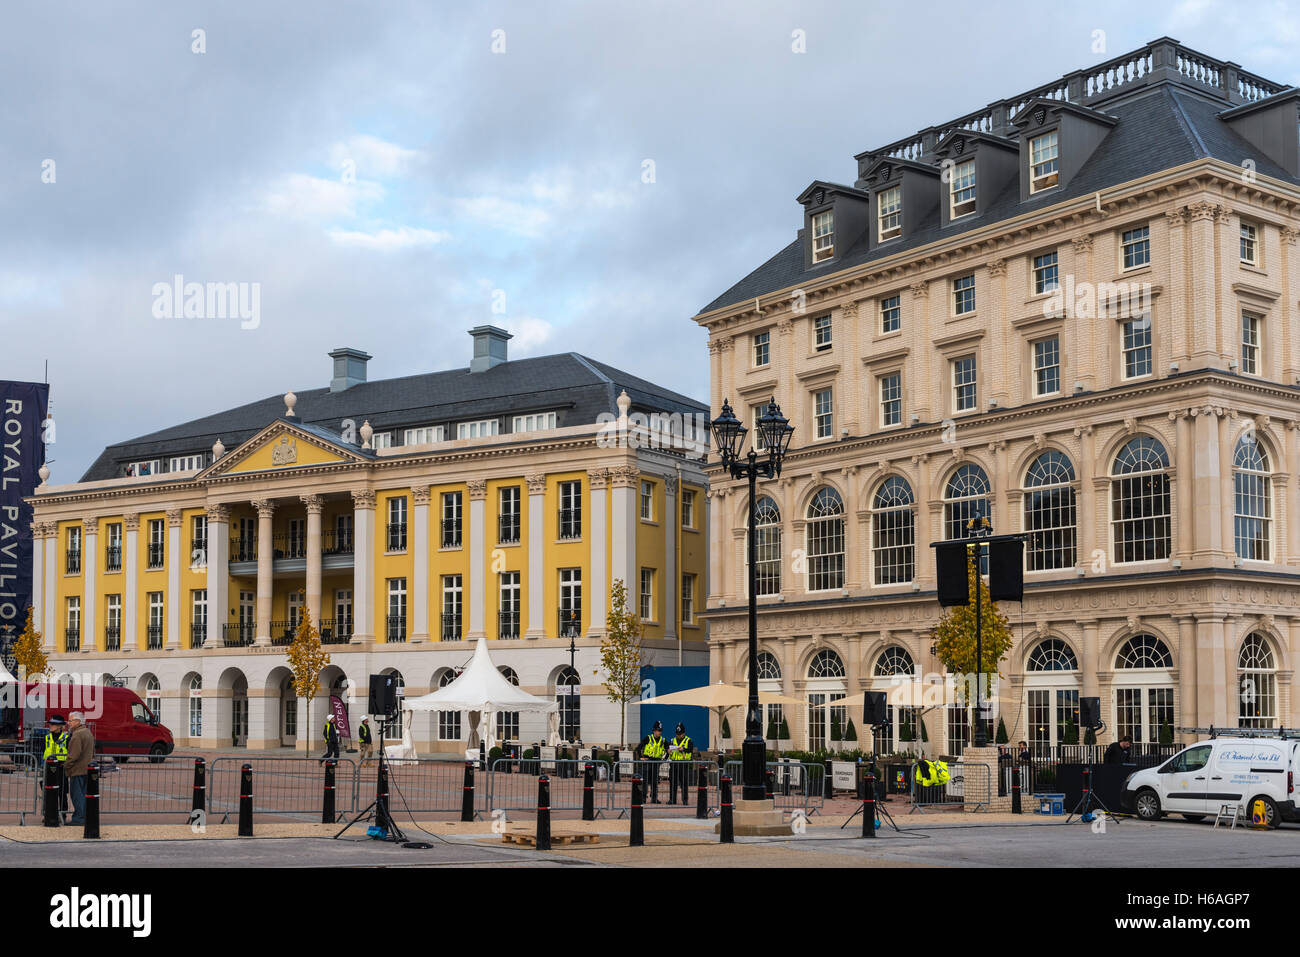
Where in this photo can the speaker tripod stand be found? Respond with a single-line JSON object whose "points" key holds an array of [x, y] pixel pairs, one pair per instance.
{"points": [[1087, 799], [881, 810], [377, 810]]}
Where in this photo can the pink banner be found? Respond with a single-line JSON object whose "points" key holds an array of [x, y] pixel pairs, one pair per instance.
{"points": [[340, 716]]}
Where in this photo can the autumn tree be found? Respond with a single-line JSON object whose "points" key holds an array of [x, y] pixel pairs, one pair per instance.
{"points": [[955, 635], [307, 659], [621, 655], [29, 655]]}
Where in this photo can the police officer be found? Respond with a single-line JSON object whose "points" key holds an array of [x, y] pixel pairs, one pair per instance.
{"points": [[654, 747], [364, 738], [56, 747], [331, 735], [679, 756]]}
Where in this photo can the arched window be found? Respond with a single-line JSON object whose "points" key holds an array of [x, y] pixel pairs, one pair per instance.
{"points": [[568, 692], [508, 721], [824, 537], [965, 496], [826, 664], [448, 721], [893, 532], [769, 669], [153, 695], [767, 548], [1139, 501], [1052, 654], [769, 679], [826, 684], [894, 661], [1144, 692], [196, 706], [1257, 683], [1050, 513], [1252, 500]]}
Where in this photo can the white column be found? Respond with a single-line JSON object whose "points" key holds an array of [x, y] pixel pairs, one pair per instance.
{"points": [[671, 585], [363, 522], [52, 616], [475, 598], [218, 579], [90, 553], [130, 574], [536, 552], [598, 480], [38, 581], [314, 505], [265, 571], [625, 478], [419, 596], [174, 560]]}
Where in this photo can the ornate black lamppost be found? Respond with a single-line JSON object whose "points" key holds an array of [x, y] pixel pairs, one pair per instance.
{"points": [[573, 671], [729, 437], [979, 528]]}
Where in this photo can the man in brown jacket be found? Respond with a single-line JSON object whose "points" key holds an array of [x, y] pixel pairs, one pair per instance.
{"points": [[81, 748]]}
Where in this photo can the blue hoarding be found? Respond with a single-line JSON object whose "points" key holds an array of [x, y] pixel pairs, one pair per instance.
{"points": [[665, 680]]}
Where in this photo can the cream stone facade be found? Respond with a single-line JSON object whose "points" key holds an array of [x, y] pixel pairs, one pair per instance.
{"points": [[1159, 483]]}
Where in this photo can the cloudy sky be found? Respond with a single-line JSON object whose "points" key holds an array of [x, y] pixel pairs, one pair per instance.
{"points": [[391, 174]]}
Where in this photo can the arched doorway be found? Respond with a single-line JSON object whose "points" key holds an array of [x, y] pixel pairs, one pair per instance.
{"points": [[236, 683], [826, 683], [568, 694]]}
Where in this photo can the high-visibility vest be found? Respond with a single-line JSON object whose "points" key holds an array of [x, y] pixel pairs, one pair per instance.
{"points": [[326, 732], [363, 733], [683, 752], [931, 773], [655, 747], [56, 746]]}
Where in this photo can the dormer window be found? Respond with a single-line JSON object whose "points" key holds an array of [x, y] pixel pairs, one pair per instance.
{"points": [[962, 190], [890, 204], [1044, 154], [823, 236]]}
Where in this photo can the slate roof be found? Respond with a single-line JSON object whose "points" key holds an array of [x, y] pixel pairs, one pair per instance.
{"points": [[572, 385], [1162, 126]]}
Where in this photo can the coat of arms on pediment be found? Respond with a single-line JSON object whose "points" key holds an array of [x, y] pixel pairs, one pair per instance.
{"points": [[285, 451]]}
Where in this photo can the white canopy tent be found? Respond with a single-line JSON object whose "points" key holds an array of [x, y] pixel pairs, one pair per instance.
{"points": [[481, 691]]}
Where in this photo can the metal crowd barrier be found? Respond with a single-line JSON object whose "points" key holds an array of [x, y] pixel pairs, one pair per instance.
{"points": [[140, 784], [290, 786], [20, 782], [517, 791], [422, 784], [796, 785], [968, 784]]}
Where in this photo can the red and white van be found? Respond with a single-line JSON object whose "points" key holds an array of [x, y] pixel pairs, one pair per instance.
{"points": [[121, 723]]}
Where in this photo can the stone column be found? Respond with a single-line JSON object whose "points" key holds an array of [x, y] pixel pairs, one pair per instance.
{"points": [[1292, 511], [476, 599], [314, 504], [53, 614], [218, 577], [536, 552], [130, 578], [419, 597], [174, 560], [1212, 689], [1207, 489], [363, 523], [89, 594], [38, 580], [1203, 326], [924, 572], [624, 479], [1086, 514], [672, 518], [597, 482], [265, 571], [1089, 655], [1185, 531], [1227, 446], [1187, 669]]}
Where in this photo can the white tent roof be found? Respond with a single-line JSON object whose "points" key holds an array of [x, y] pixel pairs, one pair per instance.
{"points": [[480, 688]]}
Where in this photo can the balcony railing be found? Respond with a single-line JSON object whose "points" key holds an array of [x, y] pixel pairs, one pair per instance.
{"points": [[72, 638], [112, 637], [283, 632], [73, 563], [238, 634], [289, 545], [336, 542], [198, 634], [396, 628], [451, 533], [396, 536], [570, 523], [335, 631], [508, 529], [157, 555], [570, 621], [243, 549], [450, 627], [113, 558], [154, 635], [508, 624]]}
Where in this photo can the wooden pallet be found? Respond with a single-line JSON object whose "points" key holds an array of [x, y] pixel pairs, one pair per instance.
{"points": [[528, 837]]}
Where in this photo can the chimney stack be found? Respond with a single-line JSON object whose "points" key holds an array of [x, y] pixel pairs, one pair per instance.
{"points": [[489, 347], [349, 368]]}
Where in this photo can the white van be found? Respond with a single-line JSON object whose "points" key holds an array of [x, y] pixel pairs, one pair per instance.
{"points": [[1198, 780]]}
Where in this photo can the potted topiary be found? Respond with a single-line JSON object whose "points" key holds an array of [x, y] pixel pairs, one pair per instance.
{"points": [[783, 732], [1001, 737], [851, 733], [726, 732], [837, 734]]}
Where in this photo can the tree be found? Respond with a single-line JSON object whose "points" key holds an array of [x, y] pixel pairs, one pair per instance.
{"points": [[785, 730], [29, 656], [1090, 736], [906, 733], [1002, 737], [772, 730], [850, 733], [1070, 733], [620, 653], [837, 734], [307, 659], [955, 634], [726, 729], [1166, 733]]}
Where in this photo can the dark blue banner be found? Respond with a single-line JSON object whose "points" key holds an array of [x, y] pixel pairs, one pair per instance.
{"points": [[22, 414]]}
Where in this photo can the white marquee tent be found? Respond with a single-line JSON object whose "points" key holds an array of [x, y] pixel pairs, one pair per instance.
{"points": [[481, 690]]}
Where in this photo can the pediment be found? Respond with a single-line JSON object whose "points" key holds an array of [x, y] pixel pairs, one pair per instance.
{"points": [[284, 445]]}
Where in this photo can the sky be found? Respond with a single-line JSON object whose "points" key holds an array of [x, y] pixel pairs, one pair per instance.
{"points": [[387, 175]]}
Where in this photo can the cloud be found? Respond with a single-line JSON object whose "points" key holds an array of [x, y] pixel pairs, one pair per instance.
{"points": [[374, 158], [313, 199], [388, 240]]}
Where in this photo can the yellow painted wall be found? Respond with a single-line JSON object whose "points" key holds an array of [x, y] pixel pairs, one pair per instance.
{"points": [[194, 574], [146, 580], [67, 585], [450, 561], [557, 554], [308, 454], [500, 558], [651, 552], [693, 550], [392, 565]]}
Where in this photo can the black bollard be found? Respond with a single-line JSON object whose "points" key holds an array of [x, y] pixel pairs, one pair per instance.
{"points": [[1015, 790], [327, 805], [769, 782], [589, 792], [51, 805], [725, 833], [467, 794], [246, 801], [381, 797], [200, 802], [636, 835], [828, 785], [869, 805], [702, 794], [92, 801], [543, 813]]}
